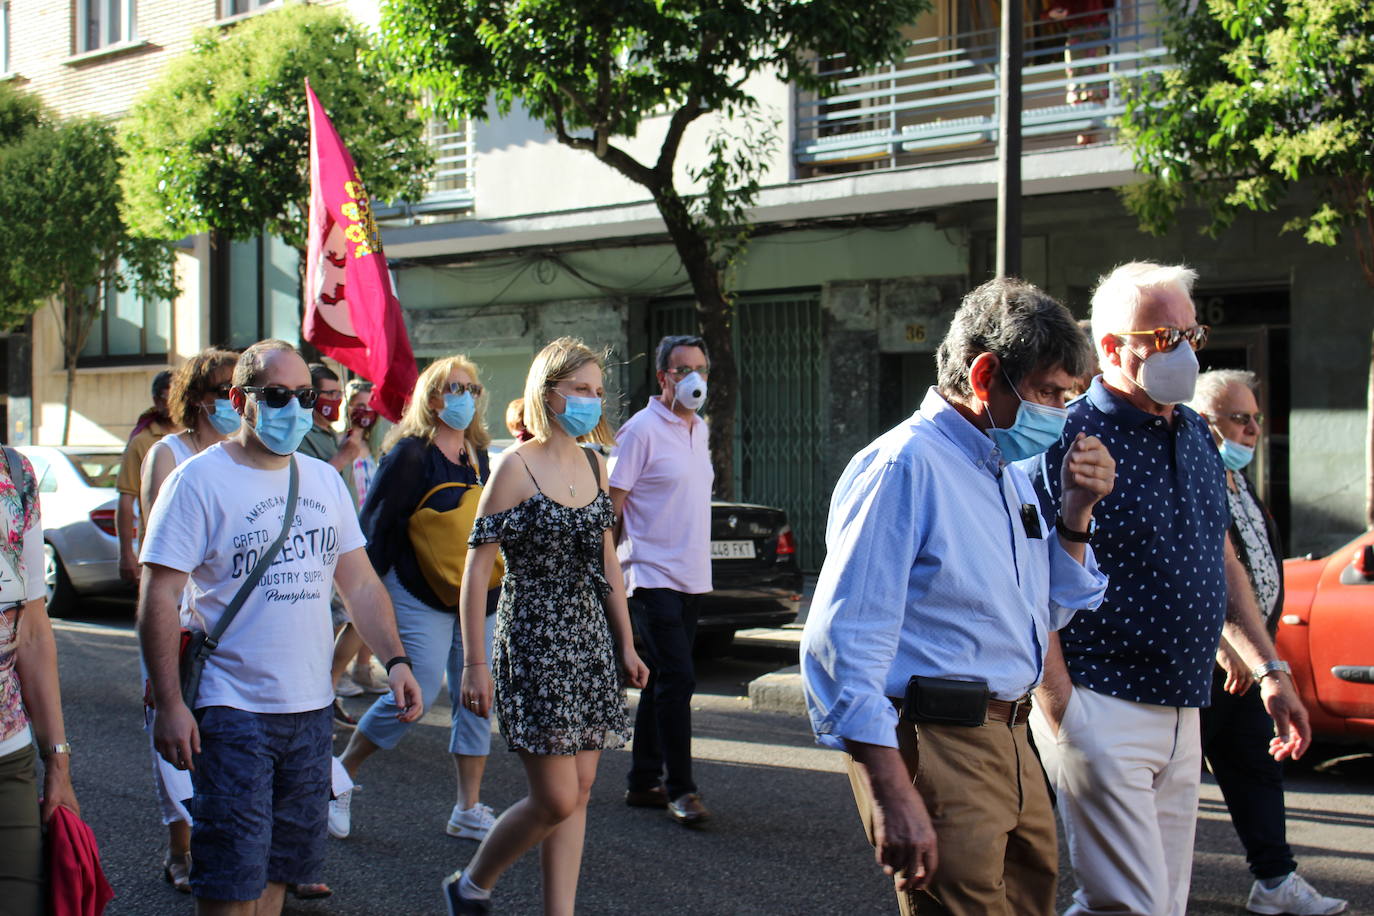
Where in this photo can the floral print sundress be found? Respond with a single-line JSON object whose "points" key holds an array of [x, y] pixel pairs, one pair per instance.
{"points": [[553, 661]]}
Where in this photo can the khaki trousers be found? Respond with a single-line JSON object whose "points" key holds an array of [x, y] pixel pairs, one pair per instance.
{"points": [[994, 827]]}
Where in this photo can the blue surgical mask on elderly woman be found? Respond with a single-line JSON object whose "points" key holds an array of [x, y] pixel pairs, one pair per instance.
{"points": [[458, 410], [1234, 455], [1036, 428]]}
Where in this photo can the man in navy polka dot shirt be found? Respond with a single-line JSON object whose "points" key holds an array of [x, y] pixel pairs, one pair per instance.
{"points": [[1116, 717]]}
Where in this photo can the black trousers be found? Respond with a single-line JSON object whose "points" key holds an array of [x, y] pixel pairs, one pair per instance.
{"points": [[1235, 740], [665, 622]]}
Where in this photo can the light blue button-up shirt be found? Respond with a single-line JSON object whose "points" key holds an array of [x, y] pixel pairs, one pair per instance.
{"points": [[930, 570]]}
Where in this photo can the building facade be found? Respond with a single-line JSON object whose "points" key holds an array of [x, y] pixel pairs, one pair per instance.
{"points": [[876, 216]]}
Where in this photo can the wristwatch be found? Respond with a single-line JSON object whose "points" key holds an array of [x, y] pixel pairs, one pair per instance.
{"points": [[63, 748], [1260, 672], [1080, 537]]}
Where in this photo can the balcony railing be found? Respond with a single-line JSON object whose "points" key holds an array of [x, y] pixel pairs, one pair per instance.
{"points": [[939, 103]]}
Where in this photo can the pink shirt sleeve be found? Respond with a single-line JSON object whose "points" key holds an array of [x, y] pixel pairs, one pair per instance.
{"points": [[628, 460]]}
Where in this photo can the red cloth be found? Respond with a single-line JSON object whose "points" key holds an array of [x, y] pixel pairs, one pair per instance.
{"points": [[76, 882], [351, 313]]}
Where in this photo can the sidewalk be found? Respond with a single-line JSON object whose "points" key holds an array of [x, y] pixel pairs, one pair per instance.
{"points": [[781, 690]]}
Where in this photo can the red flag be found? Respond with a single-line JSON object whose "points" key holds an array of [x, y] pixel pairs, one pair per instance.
{"points": [[351, 313]]}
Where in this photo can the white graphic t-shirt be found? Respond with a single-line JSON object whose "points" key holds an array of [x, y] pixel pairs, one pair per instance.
{"points": [[213, 518]]}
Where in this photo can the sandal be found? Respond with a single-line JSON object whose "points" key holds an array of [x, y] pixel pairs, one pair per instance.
{"points": [[310, 891], [176, 871]]}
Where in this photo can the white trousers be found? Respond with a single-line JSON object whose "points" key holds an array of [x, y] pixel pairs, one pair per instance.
{"points": [[1127, 778]]}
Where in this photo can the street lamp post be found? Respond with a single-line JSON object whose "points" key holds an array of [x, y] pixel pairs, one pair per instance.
{"points": [[1009, 142]]}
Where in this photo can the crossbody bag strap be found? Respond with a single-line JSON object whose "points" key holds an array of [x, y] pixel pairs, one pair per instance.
{"points": [[15, 466], [596, 465], [270, 554]]}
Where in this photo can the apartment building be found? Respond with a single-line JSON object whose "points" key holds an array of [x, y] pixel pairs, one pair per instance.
{"points": [[876, 216], [94, 57]]}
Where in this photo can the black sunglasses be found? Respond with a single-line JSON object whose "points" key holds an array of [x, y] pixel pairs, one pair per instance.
{"points": [[280, 395], [460, 387], [221, 390]]}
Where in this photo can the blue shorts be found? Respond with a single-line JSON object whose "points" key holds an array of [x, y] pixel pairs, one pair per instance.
{"points": [[261, 800]]}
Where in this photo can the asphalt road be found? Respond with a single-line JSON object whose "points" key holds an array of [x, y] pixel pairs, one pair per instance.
{"points": [[785, 838]]}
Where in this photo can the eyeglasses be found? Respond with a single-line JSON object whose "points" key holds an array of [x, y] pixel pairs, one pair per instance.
{"points": [[460, 387], [280, 395], [683, 371], [1244, 419], [1168, 338], [221, 390]]}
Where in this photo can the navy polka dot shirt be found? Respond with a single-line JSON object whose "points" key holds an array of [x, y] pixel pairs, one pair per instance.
{"points": [[1161, 541]]}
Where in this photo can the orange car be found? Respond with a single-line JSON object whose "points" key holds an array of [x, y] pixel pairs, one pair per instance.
{"points": [[1327, 634]]}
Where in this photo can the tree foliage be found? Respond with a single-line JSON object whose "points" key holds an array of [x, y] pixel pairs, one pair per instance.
{"points": [[221, 141], [1267, 95], [594, 72], [63, 239]]}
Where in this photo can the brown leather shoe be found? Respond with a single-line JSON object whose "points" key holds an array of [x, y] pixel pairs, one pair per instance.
{"points": [[688, 809], [646, 798]]}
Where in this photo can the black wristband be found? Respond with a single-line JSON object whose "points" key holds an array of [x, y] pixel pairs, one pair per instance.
{"points": [[399, 660], [1081, 537]]}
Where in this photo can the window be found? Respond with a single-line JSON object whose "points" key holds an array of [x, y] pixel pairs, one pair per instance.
{"points": [[256, 292], [129, 330], [451, 142], [102, 23], [228, 8]]}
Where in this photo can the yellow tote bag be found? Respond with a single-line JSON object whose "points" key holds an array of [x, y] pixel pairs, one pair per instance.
{"points": [[439, 529]]}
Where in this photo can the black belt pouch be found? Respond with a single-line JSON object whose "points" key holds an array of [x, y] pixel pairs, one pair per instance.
{"points": [[941, 701]]}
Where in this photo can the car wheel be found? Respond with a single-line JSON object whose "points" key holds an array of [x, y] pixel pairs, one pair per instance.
{"points": [[713, 643], [61, 595]]}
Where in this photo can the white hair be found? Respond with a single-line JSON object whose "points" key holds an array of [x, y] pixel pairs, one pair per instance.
{"points": [[1213, 385], [1120, 293]]}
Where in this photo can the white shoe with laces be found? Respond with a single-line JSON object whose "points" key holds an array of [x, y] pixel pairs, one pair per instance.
{"points": [[1293, 895], [471, 823], [340, 815], [347, 687]]}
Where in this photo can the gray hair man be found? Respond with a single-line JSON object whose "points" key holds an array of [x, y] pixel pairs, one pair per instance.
{"points": [[1236, 728], [941, 587], [1116, 720]]}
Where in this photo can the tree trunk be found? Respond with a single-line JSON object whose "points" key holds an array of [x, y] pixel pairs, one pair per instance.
{"points": [[714, 320]]}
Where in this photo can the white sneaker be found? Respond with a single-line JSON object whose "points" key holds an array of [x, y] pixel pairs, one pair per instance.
{"points": [[1293, 895], [340, 817], [473, 823], [347, 687]]}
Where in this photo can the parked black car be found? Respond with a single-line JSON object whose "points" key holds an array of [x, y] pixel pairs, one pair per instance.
{"points": [[754, 571]]}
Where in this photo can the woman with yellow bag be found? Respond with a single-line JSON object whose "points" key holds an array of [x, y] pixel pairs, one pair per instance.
{"points": [[417, 517]]}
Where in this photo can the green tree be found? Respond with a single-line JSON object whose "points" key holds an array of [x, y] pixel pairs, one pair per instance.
{"points": [[1270, 104], [594, 72], [63, 240], [221, 142]]}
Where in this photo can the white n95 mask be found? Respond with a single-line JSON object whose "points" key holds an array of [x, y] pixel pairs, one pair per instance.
{"points": [[691, 391]]}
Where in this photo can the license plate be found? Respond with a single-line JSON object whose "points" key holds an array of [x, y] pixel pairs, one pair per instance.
{"points": [[732, 550]]}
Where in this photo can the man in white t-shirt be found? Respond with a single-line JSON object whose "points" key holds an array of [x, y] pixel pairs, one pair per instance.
{"points": [[258, 742], [661, 486]]}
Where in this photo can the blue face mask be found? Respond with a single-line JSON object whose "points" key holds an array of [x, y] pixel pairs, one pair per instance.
{"points": [[458, 410], [1234, 455], [223, 417], [281, 429], [1036, 428], [580, 416]]}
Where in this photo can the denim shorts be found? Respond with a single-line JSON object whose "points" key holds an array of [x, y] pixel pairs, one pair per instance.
{"points": [[261, 800]]}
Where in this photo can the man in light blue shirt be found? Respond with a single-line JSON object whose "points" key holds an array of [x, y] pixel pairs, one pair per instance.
{"points": [[941, 568]]}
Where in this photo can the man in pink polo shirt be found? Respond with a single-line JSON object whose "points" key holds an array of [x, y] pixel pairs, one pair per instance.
{"points": [[661, 486]]}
